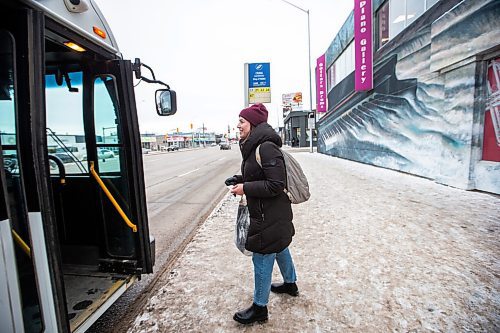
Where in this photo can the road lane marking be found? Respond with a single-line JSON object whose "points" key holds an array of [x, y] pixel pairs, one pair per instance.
{"points": [[187, 173]]}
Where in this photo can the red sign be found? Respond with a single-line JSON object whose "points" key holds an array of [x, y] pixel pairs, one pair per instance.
{"points": [[491, 138], [363, 41]]}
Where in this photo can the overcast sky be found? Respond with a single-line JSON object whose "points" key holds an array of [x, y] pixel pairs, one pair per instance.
{"points": [[199, 48]]}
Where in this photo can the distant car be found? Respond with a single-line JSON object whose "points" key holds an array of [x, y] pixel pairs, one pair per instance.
{"points": [[105, 153], [225, 146], [145, 150], [172, 148], [213, 144], [64, 157], [79, 153]]}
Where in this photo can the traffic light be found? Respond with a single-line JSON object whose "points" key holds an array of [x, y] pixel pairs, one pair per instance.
{"points": [[191, 126], [177, 129]]}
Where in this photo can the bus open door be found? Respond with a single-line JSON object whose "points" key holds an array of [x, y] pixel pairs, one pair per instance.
{"points": [[78, 223]]}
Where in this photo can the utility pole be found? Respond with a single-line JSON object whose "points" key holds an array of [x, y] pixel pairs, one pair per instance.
{"points": [[309, 67]]}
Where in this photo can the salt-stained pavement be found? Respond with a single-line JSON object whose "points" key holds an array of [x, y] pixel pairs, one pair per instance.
{"points": [[375, 251]]}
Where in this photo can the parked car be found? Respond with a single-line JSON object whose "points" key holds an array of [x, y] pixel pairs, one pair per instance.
{"points": [[105, 153], [146, 150], [225, 146], [172, 148]]}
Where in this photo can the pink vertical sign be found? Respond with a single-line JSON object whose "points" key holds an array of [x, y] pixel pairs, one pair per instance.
{"points": [[321, 84], [363, 45]]}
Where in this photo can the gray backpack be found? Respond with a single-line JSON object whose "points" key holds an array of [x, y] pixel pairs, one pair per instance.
{"points": [[297, 187]]}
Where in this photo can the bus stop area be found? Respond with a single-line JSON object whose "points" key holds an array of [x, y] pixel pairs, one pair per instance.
{"points": [[375, 251]]}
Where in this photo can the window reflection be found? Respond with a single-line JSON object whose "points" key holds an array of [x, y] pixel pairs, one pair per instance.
{"points": [[383, 24], [106, 123], [430, 3], [342, 67], [65, 132], [395, 15], [414, 8]]}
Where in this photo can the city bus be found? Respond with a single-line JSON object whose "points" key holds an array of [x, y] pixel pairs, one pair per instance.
{"points": [[73, 221]]}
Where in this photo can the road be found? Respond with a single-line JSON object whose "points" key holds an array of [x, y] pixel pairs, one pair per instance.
{"points": [[182, 188]]}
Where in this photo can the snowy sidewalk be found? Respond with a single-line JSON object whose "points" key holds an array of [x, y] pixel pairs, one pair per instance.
{"points": [[375, 251]]}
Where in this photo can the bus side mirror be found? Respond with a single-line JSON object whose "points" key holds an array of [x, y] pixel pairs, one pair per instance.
{"points": [[166, 102]]}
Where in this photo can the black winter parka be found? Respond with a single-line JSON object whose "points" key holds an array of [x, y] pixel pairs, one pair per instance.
{"points": [[271, 228]]}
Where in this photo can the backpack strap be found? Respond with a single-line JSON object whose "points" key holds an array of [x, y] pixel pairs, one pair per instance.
{"points": [[257, 156], [259, 162]]}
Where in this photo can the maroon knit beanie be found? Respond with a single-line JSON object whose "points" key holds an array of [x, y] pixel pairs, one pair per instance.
{"points": [[255, 114]]}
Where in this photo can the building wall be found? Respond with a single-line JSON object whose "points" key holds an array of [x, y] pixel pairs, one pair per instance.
{"points": [[425, 114]]}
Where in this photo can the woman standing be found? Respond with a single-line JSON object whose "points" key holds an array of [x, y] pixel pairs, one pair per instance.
{"points": [[271, 227]]}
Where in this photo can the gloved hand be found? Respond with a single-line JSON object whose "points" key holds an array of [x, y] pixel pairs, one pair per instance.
{"points": [[231, 181]]}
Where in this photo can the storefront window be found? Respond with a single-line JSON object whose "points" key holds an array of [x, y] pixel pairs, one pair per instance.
{"points": [[395, 15], [414, 8], [330, 77], [383, 24], [342, 67], [430, 3]]}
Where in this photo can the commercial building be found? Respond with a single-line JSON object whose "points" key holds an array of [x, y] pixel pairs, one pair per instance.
{"points": [[434, 109], [178, 139], [296, 129]]}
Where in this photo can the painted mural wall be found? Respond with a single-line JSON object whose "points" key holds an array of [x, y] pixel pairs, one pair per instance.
{"points": [[426, 113]]}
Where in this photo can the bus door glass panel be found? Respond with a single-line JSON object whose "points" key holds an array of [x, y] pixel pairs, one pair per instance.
{"points": [[15, 196], [111, 167], [65, 130]]}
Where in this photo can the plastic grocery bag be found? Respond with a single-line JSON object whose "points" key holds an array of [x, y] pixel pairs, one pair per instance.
{"points": [[242, 225]]}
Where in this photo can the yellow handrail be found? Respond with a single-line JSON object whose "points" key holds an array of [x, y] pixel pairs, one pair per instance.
{"points": [[21, 243], [110, 197]]}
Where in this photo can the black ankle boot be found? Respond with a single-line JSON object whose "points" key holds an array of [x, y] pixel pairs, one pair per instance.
{"points": [[285, 288], [251, 315]]}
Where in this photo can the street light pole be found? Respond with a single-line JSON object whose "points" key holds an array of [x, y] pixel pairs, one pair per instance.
{"points": [[310, 85], [309, 67]]}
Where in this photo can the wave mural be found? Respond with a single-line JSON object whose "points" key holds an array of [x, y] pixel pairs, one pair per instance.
{"points": [[418, 120]]}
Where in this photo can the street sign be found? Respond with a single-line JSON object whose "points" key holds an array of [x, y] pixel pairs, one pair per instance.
{"points": [[259, 82], [259, 75], [310, 122], [321, 92], [363, 40]]}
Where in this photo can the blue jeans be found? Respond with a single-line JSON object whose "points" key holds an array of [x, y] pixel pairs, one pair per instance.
{"points": [[263, 271]]}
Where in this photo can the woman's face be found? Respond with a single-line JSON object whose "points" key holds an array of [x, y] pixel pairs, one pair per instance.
{"points": [[244, 126]]}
